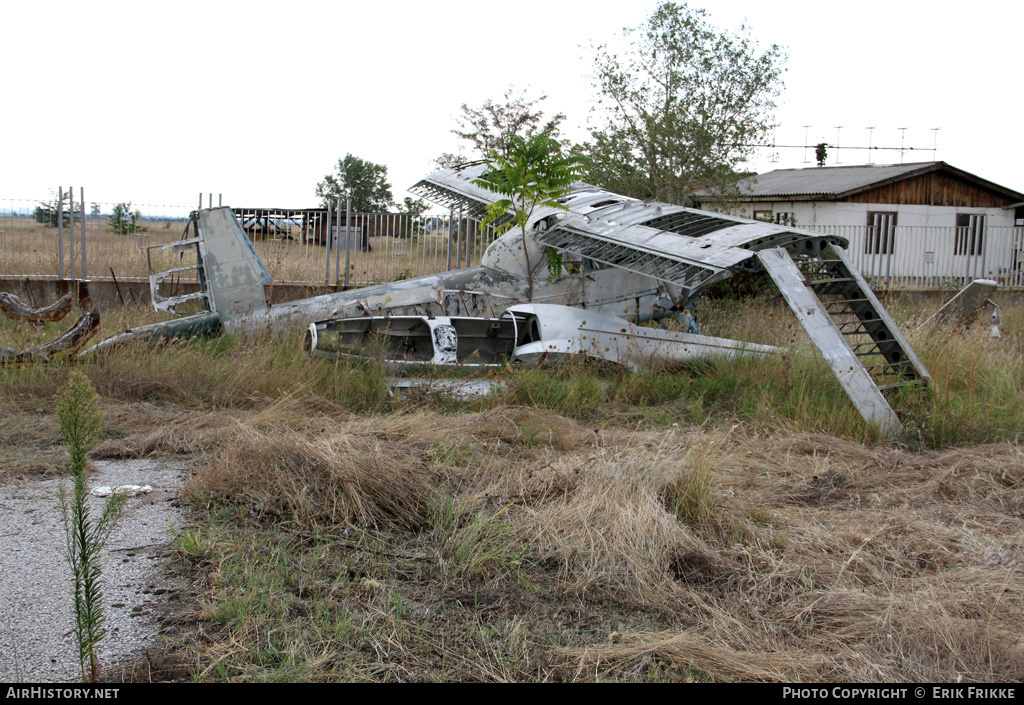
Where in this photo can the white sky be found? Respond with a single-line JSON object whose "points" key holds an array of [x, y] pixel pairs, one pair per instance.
{"points": [[157, 102]]}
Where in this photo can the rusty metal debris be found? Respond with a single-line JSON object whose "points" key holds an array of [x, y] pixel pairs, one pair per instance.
{"points": [[66, 345], [205, 323], [15, 308]]}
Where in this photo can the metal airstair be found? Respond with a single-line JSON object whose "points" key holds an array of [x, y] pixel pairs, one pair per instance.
{"points": [[861, 343]]}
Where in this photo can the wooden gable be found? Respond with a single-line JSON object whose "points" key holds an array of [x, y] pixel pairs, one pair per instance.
{"points": [[934, 188]]}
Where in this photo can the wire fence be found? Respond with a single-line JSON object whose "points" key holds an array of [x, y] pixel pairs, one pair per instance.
{"points": [[54, 240], [60, 239]]}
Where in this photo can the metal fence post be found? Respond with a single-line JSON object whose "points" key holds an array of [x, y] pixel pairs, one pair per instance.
{"points": [[60, 231], [81, 200], [451, 234], [337, 249], [984, 247], [328, 236], [348, 238], [71, 241]]}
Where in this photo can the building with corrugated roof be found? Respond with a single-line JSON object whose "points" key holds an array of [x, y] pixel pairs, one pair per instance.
{"points": [[923, 194], [925, 224]]}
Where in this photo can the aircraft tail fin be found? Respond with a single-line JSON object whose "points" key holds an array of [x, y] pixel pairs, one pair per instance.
{"points": [[231, 275]]}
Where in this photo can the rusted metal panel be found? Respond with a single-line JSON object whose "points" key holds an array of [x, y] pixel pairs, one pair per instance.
{"points": [[15, 308], [66, 344]]}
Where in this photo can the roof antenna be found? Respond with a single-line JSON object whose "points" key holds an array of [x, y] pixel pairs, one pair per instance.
{"points": [[869, 129], [806, 127], [838, 128], [903, 133], [935, 142]]}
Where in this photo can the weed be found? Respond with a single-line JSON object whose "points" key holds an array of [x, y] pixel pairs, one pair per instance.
{"points": [[484, 547], [84, 539], [688, 493]]}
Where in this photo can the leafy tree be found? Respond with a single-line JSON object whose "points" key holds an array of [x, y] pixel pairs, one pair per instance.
{"points": [[447, 160], [682, 109], [491, 127], [124, 221], [415, 206], [533, 173], [412, 225], [821, 153], [364, 182], [46, 212]]}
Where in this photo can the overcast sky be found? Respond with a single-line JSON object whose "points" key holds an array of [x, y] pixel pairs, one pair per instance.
{"points": [[157, 102]]}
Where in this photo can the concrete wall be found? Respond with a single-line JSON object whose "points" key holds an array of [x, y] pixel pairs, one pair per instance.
{"points": [[105, 295]]}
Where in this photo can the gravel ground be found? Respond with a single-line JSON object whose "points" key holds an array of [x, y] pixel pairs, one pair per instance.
{"points": [[35, 581]]}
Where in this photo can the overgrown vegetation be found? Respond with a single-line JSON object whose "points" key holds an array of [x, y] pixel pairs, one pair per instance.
{"points": [[730, 521], [531, 173]]}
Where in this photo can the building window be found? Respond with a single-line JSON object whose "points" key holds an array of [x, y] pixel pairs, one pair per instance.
{"points": [[881, 234], [766, 216], [970, 234], [785, 218]]}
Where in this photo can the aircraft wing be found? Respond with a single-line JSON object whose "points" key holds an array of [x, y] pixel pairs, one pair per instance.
{"points": [[691, 249], [686, 247]]}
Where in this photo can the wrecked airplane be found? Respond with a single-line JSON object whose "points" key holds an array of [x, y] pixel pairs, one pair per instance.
{"points": [[66, 344], [529, 333], [18, 310], [624, 258]]}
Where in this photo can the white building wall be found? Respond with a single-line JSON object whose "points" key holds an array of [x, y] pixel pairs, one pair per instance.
{"points": [[925, 252], [818, 213]]}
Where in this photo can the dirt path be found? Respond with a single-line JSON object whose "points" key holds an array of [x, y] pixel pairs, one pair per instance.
{"points": [[35, 581]]}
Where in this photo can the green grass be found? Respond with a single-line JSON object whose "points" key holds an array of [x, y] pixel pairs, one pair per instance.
{"points": [[978, 394]]}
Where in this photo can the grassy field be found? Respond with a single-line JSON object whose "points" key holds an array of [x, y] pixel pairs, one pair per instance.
{"points": [[728, 522], [28, 248]]}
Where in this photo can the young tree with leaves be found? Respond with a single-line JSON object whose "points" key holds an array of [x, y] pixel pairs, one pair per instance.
{"points": [[79, 415], [682, 109], [364, 182], [533, 173]]}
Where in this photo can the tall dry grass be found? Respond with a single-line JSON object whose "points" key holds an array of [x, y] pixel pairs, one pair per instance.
{"points": [[807, 557]]}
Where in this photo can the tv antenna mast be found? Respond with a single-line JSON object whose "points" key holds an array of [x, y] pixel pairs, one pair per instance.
{"points": [[871, 147]]}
